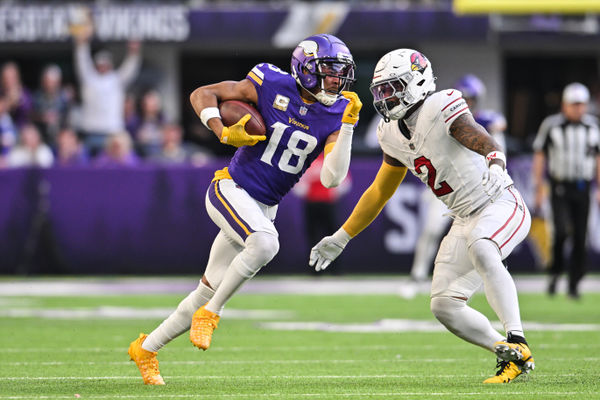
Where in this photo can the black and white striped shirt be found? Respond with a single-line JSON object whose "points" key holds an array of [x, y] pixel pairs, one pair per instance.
{"points": [[571, 148]]}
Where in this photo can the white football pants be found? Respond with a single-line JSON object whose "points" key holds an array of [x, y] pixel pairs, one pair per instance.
{"points": [[471, 254]]}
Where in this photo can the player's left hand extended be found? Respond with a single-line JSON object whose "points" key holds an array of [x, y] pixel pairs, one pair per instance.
{"points": [[494, 181], [352, 109], [236, 134], [324, 252]]}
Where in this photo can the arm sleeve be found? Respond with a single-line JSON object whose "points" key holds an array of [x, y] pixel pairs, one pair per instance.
{"points": [[374, 198], [129, 68], [83, 62], [337, 161], [452, 106]]}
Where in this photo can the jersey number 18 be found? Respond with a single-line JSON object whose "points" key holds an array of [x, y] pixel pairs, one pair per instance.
{"points": [[285, 162]]}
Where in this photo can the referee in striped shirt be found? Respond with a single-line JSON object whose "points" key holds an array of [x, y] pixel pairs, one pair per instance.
{"points": [[569, 143]]}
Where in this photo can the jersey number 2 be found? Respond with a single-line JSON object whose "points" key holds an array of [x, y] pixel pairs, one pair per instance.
{"points": [[293, 148], [431, 175]]}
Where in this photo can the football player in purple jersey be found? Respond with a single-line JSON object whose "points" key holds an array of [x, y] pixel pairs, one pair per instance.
{"points": [[306, 113]]}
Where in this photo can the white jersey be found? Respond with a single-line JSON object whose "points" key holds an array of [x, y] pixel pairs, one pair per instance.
{"points": [[452, 171]]}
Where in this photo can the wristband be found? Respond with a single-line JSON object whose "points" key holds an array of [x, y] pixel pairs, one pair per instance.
{"points": [[209, 113], [495, 155], [342, 236]]}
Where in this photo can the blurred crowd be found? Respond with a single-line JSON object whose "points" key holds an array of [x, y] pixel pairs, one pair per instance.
{"points": [[98, 124]]}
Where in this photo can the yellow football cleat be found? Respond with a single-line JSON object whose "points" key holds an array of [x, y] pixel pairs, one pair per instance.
{"points": [[146, 362], [204, 322], [507, 372], [519, 353], [513, 360]]}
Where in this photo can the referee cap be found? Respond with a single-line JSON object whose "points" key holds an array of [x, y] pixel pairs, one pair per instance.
{"points": [[575, 93]]}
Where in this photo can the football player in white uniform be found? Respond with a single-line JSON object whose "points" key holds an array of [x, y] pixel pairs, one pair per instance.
{"points": [[436, 219], [434, 135]]}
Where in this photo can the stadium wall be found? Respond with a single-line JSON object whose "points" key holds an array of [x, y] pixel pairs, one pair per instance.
{"points": [[152, 220]]}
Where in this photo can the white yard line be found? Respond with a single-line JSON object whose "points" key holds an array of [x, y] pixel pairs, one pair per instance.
{"points": [[129, 313], [235, 349], [261, 285]]}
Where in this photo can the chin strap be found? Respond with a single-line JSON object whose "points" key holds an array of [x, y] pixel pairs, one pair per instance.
{"points": [[325, 98], [322, 97]]}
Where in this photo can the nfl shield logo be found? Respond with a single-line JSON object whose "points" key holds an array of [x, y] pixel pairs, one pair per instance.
{"points": [[303, 110]]}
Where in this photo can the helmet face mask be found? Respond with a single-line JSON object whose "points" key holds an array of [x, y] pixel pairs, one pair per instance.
{"points": [[318, 62], [402, 78]]}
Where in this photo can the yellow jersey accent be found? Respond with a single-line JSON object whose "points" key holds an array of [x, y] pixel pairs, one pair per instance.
{"points": [[255, 78], [293, 121], [374, 198], [240, 223], [222, 174], [328, 148]]}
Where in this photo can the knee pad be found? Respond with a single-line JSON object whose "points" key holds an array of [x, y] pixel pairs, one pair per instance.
{"points": [[261, 247], [443, 308], [485, 255]]}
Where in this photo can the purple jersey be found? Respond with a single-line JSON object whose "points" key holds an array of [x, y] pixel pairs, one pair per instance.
{"points": [[296, 135]]}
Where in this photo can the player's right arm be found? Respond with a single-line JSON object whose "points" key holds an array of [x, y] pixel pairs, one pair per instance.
{"points": [[474, 137], [205, 101], [390, 175]]}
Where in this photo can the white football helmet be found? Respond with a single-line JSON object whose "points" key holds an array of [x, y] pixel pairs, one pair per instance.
{"points": [[402, 78]]}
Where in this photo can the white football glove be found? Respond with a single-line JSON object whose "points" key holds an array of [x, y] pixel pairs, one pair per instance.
{"points": [[494, 181], [328, 249]]}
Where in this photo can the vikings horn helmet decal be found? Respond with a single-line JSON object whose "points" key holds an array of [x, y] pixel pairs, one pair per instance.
{"points": [[319, 56]]}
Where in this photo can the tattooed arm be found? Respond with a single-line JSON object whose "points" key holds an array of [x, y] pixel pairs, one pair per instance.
{"points": [[474, 137]]}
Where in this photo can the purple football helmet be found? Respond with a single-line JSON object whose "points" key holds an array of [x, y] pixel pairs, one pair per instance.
{"points": [[319, 56], [470, 86]]}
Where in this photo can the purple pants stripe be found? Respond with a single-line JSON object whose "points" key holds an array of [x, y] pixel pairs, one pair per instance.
{"points": [[225, 208]]}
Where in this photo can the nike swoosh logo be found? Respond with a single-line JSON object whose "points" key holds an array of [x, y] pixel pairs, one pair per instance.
{"points": [[450, 94]]}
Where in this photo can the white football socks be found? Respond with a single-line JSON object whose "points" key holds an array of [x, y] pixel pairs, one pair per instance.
{"points": [[180, 320], [222, 253], [465, 322], [261, 247], [498, 284]]}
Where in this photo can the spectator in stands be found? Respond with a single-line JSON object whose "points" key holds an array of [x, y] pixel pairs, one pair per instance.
{"points": [[102, 90], [172, 150], [118, 152], [149, 136], [30, 151], [69, 151], [131, 115], [18, 97], [51, 104], [8, 132]]}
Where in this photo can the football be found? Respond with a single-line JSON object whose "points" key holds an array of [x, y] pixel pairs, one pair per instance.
{"points": [[233, 110]]}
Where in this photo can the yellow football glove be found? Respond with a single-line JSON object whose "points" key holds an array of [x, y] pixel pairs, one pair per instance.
{"points": [[237, 136], [352, 109]]}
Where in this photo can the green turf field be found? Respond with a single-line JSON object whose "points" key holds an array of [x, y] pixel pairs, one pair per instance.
{"points": [[59, 358]]}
